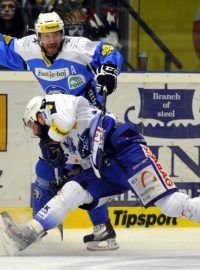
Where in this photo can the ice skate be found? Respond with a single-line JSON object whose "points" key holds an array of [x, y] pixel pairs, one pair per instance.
{"points": [[102, 238], [15, 237]]}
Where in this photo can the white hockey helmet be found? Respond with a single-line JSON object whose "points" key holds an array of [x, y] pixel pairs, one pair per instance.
{"points": [[32, 108], [49, 23]]}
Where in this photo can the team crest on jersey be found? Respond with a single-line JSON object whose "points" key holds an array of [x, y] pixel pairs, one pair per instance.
{"points": [[55, 89], [84, 148], [75, 81], [52, 75], [37, 193], [107, 49], [69, 144]]}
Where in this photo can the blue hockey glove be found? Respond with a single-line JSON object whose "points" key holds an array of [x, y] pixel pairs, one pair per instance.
{"points": [[106, 76], [43, 148], [52, 153]]}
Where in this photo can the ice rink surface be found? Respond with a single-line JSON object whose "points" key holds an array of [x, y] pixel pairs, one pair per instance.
{"points": [[153, 248]]}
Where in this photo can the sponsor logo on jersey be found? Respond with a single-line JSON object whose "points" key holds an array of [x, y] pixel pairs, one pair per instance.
{"points": [[69, 144], [76, 81], [51, 75], [55, 89], [44, 211], [146, 184], [57, 130], [107, 49], [159, 166]]}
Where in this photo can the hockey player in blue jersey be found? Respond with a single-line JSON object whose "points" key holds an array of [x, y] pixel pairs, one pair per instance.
{"points": [[68, 65], [128, 164]]}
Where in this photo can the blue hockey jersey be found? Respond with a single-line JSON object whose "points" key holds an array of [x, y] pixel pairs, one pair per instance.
{"points": [[71, 70]]}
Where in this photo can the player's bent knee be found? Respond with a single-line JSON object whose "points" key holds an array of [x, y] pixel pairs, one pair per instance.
{"points": [[74, 195], [68, 198]]}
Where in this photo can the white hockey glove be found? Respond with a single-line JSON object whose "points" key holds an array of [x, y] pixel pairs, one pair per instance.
{"points": [[106, 75]]}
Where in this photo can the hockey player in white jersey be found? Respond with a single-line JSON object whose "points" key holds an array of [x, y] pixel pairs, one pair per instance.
{"points": [[128, 164], [68, 65]]}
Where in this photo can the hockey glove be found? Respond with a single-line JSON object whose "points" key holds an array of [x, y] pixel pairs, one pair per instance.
{"points": [[106, 75], [54, 187], [52, 153], [66, 175], [43, 148]]}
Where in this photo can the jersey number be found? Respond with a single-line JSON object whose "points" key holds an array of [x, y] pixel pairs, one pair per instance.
{"points": [[51, 106]]}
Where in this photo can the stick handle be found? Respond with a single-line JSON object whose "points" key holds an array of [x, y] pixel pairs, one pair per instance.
{"points": [[103, 112], [56, 175]]}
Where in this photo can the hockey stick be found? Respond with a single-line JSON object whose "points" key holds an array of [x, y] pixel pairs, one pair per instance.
{"points": [[57, 178], [101, 139]]}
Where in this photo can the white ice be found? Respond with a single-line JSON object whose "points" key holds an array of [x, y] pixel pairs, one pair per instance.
{"points": [[152, 249]]}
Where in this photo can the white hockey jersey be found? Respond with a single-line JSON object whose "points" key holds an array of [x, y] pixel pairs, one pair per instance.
{"points": [[72, 122]]}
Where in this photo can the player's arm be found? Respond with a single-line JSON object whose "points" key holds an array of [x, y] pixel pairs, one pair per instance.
{"points": [[107, 63], [107, 54], [8, 56], [103, 60]]}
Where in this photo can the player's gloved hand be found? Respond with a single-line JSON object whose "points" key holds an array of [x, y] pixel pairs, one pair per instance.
{"points": [[43, 148], [52, 153], [55, 186], [106, 75], [66, 175]]}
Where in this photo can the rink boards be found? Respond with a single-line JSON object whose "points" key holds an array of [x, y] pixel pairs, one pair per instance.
{"points": [[121, 217], [164, 106]]}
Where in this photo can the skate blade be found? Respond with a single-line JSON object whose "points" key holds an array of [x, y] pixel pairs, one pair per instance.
{"points": [[7, 245], [109, 244]]}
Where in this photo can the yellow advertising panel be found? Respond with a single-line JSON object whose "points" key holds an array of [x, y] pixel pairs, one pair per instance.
{"points": [[121, 217], [3, 122]]}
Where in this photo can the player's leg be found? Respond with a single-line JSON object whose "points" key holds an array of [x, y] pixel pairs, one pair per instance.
{"points": [[103, 236], [156, 187], [84, 189], [18, 237], [180, 204]]}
